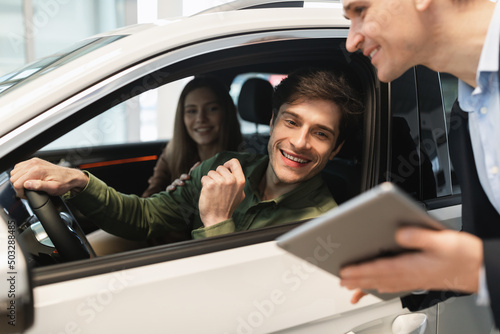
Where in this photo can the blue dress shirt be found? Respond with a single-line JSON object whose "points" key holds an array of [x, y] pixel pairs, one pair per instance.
{"points": [[483, 105]]}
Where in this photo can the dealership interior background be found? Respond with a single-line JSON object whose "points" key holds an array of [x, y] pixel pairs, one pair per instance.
{"points": [[33, 29]]}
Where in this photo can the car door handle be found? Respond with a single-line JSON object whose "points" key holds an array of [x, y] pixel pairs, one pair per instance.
{"points": [[410, 323]]}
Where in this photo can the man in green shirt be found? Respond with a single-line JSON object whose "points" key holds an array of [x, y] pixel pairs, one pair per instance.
{"points": [[313, 110]]}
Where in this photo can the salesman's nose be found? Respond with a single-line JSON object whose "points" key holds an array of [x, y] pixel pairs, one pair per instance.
{"points": [[355, 38]]}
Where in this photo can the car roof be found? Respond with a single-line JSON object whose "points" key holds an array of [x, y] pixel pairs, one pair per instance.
{"points": [[140, 42], [253, 4]]}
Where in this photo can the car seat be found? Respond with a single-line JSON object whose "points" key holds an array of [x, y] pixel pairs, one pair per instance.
{"points": [[255, 103]]}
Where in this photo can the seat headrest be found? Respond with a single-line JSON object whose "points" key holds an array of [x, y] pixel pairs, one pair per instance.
{"points": [[255, 102]]}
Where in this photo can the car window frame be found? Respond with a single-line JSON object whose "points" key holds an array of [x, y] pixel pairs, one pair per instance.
{"points": [[409, 81], [87, 103]]}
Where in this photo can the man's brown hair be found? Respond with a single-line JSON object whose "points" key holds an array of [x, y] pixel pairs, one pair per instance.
{"points": [[318, 84]]}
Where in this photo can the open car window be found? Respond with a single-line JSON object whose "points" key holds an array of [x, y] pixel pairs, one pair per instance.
{"points": [[108, 137], [148, 116]]}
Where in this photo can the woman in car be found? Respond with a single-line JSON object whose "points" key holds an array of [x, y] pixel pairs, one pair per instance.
{"points": [[205, 124]]}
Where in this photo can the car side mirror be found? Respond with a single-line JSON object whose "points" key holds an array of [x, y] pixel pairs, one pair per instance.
{"points": [[16, 293]]}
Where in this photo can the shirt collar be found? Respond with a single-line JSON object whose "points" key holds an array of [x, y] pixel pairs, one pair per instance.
{"points": [[305, 187], [488, 62], [465, 96]]}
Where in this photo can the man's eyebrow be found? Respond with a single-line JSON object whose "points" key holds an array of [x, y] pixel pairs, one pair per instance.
{"points": [[291, 113]]}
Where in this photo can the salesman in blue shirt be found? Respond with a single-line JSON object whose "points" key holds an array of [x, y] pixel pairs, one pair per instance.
{"points": [[460, 37]]}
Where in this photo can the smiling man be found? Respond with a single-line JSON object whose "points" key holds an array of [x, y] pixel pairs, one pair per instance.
{"points": [[460, 37], [313, 111]]}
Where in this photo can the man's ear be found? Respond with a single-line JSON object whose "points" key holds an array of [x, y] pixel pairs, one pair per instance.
{"points": [[336, 151], [422, 5]]}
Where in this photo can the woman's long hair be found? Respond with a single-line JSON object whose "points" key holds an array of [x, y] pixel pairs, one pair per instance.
{"points": [[182, 151]]}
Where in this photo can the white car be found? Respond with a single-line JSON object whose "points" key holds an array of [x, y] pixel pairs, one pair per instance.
{"points": [[238, 283]]}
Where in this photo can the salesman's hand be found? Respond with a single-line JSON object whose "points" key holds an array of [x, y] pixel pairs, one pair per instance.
{"points": [[444, 260], [357, 295], [38, 174], [221, 193]]}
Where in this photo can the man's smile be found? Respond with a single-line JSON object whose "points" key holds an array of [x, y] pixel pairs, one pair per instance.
{"points": [[294, 158]]}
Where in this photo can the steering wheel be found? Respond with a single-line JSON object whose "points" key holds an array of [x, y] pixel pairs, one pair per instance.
{"points": [[70, 241]]}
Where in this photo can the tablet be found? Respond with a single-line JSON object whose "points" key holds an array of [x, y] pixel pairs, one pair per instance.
{"points": [[359, 230]]}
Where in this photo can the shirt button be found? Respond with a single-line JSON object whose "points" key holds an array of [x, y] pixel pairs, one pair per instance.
{"points": [[483, 110], [494, 170]]}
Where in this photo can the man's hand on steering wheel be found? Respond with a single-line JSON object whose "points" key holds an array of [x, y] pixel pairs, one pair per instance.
{"points": [[41, 175], [41, 178]]}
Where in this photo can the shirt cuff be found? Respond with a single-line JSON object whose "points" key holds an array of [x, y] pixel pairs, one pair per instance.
{"points": [[224, 227], [483, 296]]}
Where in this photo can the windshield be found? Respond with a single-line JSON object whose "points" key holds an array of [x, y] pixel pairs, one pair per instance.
{"points": [[47, 64]]}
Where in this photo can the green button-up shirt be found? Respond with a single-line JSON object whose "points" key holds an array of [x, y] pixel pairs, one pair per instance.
{"points": [[136, 218]]}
